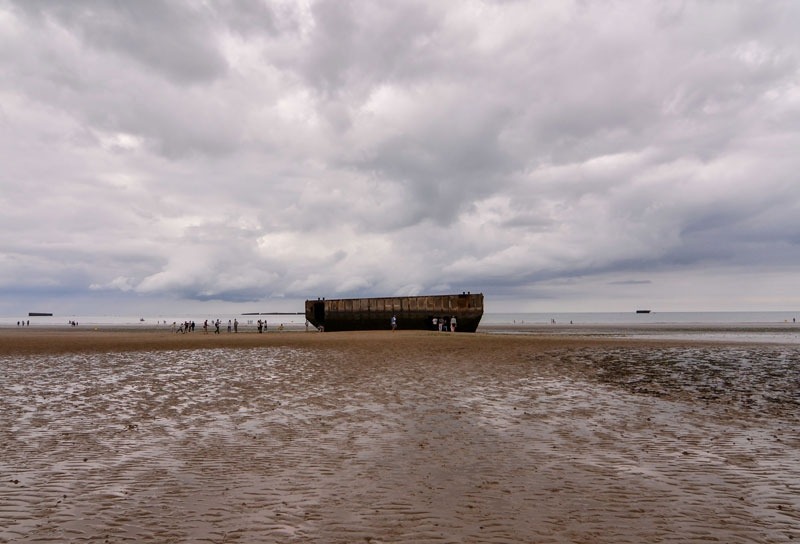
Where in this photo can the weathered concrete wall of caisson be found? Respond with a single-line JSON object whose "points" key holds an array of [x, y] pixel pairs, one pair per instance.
{"points": [[352, 314]]}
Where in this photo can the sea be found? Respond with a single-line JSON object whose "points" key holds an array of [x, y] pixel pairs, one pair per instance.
{"points": [[758, 327], [652, 318], [761, 326]]}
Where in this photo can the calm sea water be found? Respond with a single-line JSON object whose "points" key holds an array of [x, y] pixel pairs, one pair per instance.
{"points": [[577, 318], [756, 327], [289, 321], [632, 318], [765, 327]]}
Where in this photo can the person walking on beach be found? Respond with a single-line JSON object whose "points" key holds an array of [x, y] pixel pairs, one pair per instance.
{"points": [[205, 326], [229, 326], [216, 327], [453, 324], [394, 323]]}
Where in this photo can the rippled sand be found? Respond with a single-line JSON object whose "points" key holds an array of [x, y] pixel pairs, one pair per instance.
{"points": [[406, 437]]}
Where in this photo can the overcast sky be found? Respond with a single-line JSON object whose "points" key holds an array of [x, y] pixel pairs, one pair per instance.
{"points": [[226, 155]]}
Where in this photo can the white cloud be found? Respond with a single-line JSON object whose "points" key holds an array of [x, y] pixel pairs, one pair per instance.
{"points": [[249, 151]]}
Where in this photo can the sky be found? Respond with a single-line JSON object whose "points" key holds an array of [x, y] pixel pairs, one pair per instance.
{"points": [[171, 156]]}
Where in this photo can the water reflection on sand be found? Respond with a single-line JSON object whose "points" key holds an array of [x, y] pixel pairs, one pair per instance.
{"points": [[616, 444]]}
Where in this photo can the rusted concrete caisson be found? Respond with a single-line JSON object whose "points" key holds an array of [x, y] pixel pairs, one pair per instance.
{"points": [[357, 314]]}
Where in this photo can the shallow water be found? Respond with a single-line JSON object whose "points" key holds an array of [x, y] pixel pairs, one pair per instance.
{"points": [[758, 379], [298, 445]]}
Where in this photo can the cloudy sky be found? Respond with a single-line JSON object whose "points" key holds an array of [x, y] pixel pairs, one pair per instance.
{"points": [[164, 156]]}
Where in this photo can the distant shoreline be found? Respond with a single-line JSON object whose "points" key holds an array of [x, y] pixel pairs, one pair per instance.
{"points": [[272, 313]]}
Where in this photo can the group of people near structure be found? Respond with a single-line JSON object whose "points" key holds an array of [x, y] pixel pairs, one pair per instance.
{"points": [[233, 326], [445, 323], [188, 326]]}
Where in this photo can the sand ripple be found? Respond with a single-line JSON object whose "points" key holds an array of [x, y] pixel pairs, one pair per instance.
{"points": [[332, 445]]}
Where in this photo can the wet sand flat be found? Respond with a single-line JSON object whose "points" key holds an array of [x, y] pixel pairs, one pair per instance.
{"points": [[115, 436]]}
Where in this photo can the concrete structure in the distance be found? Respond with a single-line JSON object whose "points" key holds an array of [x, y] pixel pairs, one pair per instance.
{"points": [[354, 314]]}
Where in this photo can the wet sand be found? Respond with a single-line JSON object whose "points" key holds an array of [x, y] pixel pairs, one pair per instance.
{"points": [[115, 435]]}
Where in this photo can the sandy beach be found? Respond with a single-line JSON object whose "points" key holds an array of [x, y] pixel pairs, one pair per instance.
{"points": [[149, 436]]}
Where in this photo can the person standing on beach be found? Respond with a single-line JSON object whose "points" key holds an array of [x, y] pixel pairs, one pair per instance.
{"points": [[453, 324], [235, 325], [229, 326], [394, 323]]}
